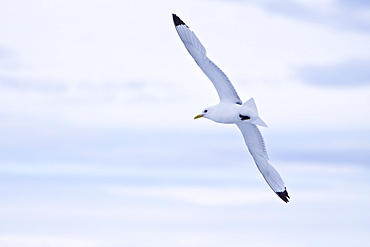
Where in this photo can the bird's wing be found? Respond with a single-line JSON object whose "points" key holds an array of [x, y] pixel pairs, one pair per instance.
{"points": [[254, 141], [224, 88]]}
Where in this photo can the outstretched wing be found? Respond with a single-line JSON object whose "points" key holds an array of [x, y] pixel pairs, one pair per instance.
{"points": [[224, 88], [254, 141]]}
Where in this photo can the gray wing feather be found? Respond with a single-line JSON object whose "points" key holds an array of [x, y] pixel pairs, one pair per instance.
{"points": [[225, 89], [256, 146]]}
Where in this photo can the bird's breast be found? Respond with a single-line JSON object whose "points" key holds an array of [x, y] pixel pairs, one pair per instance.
{"points": [[226, 113]]}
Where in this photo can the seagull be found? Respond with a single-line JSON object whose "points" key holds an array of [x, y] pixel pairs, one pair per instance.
{"points": [[231, 110]]}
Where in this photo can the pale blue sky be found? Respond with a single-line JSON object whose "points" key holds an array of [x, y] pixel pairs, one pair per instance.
{"points": [[98, 143]]}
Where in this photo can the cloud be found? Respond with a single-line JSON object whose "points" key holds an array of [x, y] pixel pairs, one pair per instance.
{"points": [[8, 59], [342, 14], [356, 4], [205, 195], [350, 73], [31, 84]]}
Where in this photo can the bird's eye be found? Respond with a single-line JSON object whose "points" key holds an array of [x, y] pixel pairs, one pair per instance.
{"points": [[205, 111]]}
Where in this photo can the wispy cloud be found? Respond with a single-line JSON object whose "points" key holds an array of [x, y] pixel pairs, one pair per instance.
{"points": [[31, 84], [350, 73], [8, 59], [44, 239], [356, 4], [207, 196], [341, 14]]}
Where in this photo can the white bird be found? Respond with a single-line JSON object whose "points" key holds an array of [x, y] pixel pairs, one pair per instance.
{"points": [[230, 110]]}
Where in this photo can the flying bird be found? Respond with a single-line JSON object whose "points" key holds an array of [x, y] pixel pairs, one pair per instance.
{"points": [[231, 110]]}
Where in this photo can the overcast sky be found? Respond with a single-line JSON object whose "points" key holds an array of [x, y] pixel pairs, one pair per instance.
{"points": [[99, 146]]}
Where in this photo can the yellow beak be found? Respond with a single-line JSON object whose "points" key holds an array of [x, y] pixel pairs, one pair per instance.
{"points": [[198, 116]]}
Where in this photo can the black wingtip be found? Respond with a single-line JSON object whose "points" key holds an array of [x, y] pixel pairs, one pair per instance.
{"points": [[283, 195], [177, 20]]}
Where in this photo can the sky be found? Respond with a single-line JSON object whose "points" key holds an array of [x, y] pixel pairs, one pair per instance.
{"points": [[98, 144]]}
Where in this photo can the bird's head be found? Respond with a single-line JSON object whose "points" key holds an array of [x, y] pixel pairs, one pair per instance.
{"points": [[206, 113]]}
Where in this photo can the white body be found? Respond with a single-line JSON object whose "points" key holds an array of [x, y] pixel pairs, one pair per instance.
{"points": [[224, 112]]}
